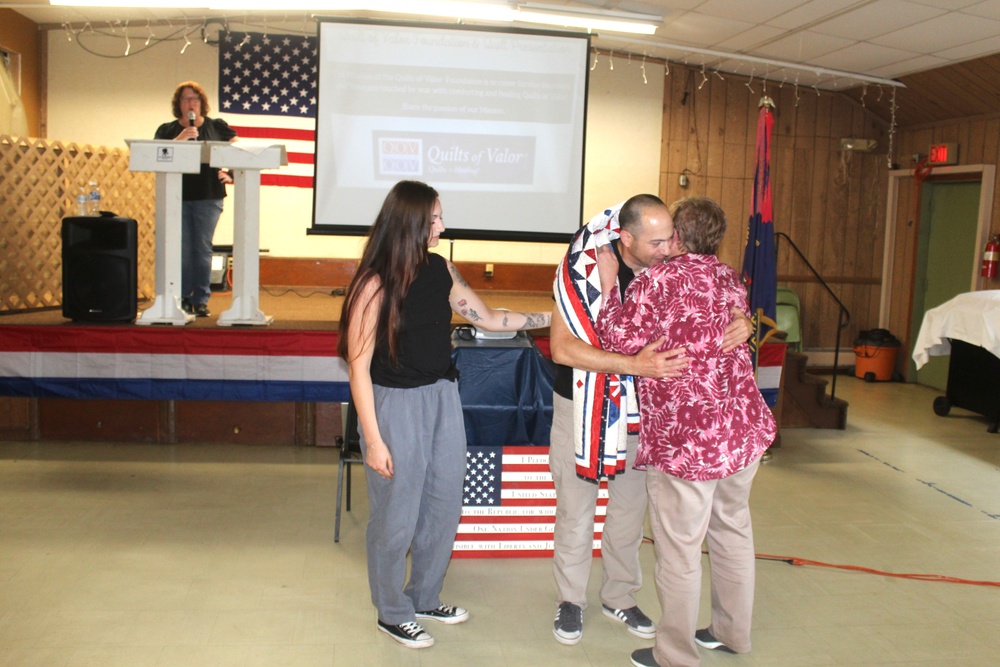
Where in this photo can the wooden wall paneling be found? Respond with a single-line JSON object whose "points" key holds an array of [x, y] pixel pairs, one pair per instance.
{"points": [[800, 182], [782, 173], [991, 155], [680, 139], [981, 70], [805, 120], [698, 135], [818, 245], [509, 277], [734, 191], [871, 239], [328, 424], [840, 115], [904, 265], [252, 423], [823, 204], [812, 244], [676, 130], [306, 271], [715, 135], [829, 256], [973, 145], [15, 418], [98, 419]]}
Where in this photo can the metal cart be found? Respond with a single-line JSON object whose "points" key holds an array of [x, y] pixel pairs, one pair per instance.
{"points": [[973, 383]]}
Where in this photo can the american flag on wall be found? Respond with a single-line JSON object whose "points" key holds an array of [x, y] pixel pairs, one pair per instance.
{"points": [[509, 505], [267, 91]]}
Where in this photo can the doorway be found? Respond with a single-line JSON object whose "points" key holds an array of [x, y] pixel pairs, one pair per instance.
{"points": [[949, 219], [896, 306]]}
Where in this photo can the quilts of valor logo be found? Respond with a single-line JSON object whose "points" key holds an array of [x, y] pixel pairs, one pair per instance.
{"points": [[400, 156]]}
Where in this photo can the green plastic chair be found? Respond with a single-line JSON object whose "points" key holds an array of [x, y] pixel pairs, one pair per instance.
{"points": [[787, 311]]}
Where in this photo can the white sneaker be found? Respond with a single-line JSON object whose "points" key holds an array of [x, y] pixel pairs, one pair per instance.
{"points": [[410, 634], [445, 614]]}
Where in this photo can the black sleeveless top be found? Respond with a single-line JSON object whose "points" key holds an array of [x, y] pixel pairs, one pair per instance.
{"points": [[424, 352]]}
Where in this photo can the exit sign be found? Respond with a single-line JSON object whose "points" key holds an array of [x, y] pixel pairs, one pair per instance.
{"points": [[943, 154]]}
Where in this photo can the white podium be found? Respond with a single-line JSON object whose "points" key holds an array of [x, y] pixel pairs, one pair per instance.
{"points": [[169, 160], [246, 159]]}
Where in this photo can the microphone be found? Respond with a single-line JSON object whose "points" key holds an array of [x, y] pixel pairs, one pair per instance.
{"points": [[191, 118]]}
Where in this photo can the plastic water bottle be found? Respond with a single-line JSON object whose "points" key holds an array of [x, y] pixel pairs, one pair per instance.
{"points": [[94, 199], [81, 202]]}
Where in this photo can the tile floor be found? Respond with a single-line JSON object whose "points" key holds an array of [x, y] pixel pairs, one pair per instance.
{"points": [[150, 555]]}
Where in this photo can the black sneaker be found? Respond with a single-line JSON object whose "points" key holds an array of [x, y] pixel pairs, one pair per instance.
{"points": [[705, 639], [410, 635], [445, 614], [643, 657], [201, 310], [636, 621], [568, 626]]}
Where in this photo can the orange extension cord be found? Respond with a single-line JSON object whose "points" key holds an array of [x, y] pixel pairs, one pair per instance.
{"points": [[791, 560]]}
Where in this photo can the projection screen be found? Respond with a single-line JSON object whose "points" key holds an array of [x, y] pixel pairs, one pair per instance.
{"points": [[493, 119]]}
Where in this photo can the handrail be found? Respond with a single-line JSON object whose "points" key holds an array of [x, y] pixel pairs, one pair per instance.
{"points": [[843, 317]]}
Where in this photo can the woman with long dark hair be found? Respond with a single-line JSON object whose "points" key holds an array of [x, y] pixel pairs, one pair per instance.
{"points": [[395, 335]]}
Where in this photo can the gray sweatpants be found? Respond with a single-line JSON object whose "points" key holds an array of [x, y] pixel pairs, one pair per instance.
{"points": [[418, 510]]}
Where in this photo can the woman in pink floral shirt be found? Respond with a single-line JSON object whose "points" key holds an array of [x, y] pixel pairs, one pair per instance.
{"points": [[701, 435]]}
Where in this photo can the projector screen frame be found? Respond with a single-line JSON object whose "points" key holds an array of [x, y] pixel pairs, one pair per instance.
{"points": [[454, 233]]}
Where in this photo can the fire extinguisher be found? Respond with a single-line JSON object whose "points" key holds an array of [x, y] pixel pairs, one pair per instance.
{"points": [[990, 256]]}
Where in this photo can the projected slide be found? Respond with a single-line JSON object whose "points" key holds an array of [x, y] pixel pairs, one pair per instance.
{"points": [[493, 120]]}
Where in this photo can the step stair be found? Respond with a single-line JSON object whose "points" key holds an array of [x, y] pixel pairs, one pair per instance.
{"points": [[805, 401]]}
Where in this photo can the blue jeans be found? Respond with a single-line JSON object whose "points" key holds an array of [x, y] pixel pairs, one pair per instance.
{"points": [[198, 221]]}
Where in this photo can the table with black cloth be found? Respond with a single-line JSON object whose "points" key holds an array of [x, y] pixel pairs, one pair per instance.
{"points": [[506, 390]]}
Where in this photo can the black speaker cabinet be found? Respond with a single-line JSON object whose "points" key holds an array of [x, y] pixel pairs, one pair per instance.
{"points": [[99, 262]]}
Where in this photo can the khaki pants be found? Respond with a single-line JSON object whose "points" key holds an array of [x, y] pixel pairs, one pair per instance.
{"points": [[684, 514], [576, 504]]}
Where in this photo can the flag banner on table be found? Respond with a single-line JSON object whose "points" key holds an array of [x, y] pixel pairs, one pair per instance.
{"points": [[760, 272], [171, 363], [268, 91], [509, 505]]}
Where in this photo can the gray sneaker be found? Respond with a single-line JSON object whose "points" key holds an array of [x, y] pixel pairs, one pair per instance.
{"points": [[706, 639], [568, 626], [637, 622]]}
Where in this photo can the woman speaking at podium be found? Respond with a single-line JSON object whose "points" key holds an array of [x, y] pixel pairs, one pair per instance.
{"points": [[395, 335], [202, 193]]}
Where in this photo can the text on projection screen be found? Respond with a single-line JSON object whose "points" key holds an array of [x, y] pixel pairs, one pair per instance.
{"points": [[494, 120]]}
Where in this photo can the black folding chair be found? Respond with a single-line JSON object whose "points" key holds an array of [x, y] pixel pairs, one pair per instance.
{"points": [[350, 453]]}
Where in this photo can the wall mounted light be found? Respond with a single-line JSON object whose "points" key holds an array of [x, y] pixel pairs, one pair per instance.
{"points": [[858, 145]]}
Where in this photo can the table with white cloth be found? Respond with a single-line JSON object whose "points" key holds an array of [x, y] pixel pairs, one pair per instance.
{"points": [[968, 328]]}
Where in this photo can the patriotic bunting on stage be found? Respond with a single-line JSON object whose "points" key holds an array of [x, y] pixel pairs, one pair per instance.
{"points": [[268, 90], [165, 364], [509, 505]]}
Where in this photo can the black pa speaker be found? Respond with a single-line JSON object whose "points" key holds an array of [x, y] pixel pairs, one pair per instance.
{"points": [[99, 268]]}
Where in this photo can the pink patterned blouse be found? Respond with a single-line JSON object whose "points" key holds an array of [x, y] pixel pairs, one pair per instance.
{"points": [[712, 422]]}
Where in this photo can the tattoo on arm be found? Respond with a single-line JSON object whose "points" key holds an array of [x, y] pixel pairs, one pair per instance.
{"points": [[457, 276], [466, 312], [536, 320], [506, 321]]}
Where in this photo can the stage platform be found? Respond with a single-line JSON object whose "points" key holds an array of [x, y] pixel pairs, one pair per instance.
{"points": [[276, 384]]}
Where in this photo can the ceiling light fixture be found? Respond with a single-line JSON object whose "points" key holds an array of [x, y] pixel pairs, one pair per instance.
{"points": [[589, 19], [483, 10]]}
